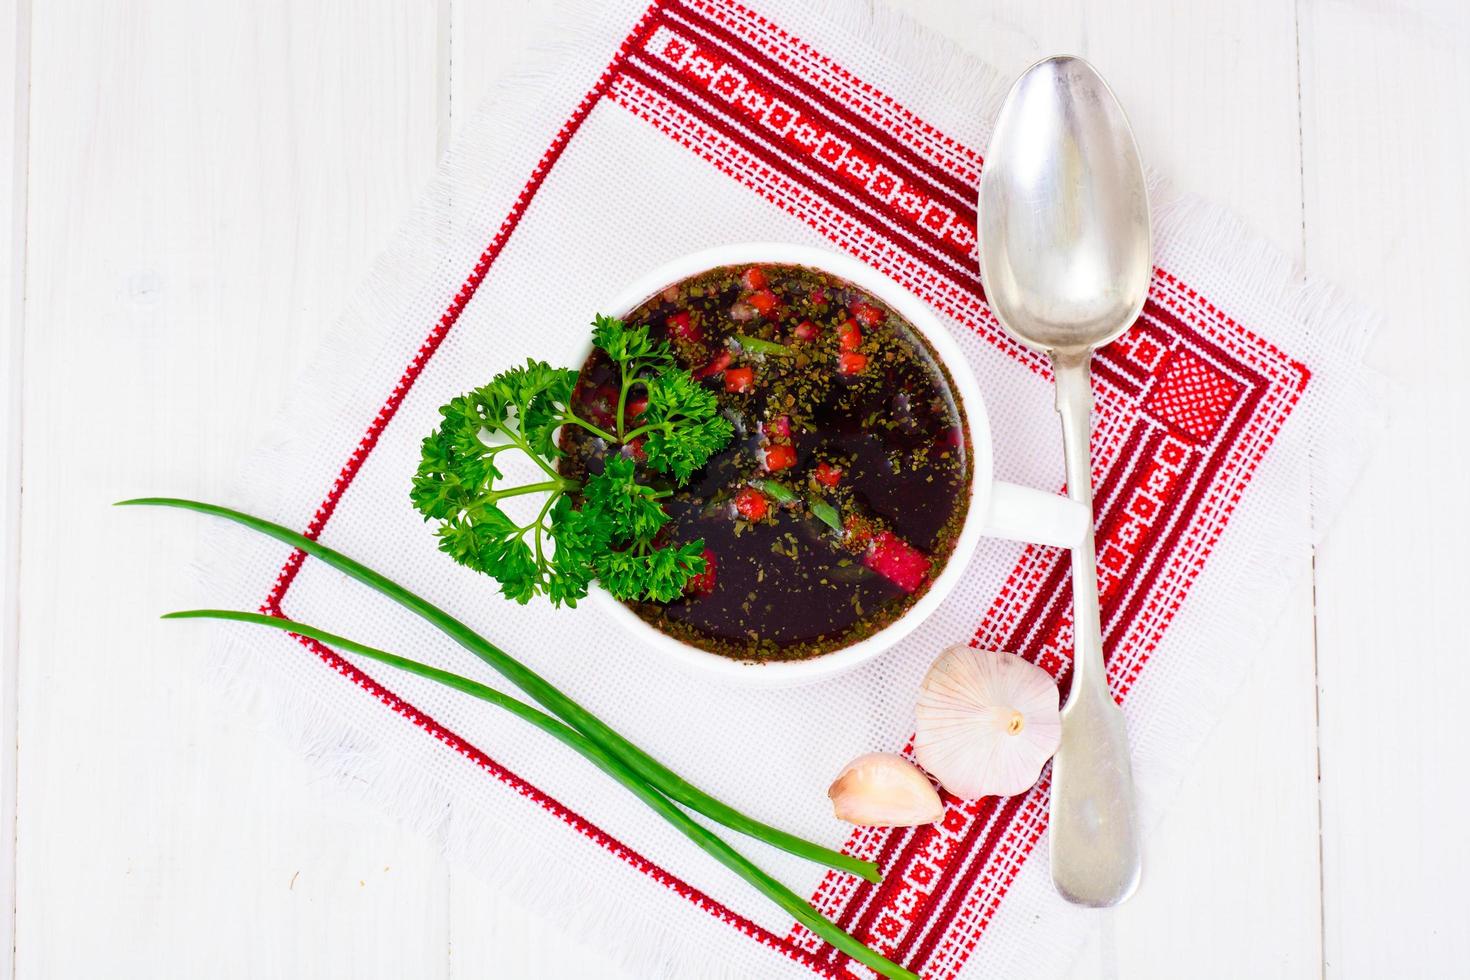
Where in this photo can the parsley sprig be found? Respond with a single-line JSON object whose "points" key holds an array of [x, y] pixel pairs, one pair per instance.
{"points": [[603, 528]]}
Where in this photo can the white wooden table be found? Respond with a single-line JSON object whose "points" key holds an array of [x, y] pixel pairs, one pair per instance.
{"points": [[189, 190]]}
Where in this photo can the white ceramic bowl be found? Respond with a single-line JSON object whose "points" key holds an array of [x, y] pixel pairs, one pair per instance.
{"points": [[1014, 512]]}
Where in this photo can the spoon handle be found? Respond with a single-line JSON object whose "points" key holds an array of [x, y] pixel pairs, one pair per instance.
{"points": [[1094, 839]]}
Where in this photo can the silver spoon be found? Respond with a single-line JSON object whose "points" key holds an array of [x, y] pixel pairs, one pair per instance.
{"points": [[1066, 257]]}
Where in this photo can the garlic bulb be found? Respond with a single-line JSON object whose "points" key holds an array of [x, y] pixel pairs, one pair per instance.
{"points": [[987, 722], [884, 790]]}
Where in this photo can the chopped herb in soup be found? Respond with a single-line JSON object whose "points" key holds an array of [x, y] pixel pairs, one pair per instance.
{"points": [[839, 499]]}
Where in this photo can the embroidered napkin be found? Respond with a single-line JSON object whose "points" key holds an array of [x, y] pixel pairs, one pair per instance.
{"points": [[656, 130]]}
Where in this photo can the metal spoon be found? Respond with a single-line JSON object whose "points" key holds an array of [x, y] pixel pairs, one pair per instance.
{"points": [[1066, 257]]}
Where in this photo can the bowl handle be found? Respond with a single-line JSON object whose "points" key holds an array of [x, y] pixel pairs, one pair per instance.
{"points": [[1020, 513]]}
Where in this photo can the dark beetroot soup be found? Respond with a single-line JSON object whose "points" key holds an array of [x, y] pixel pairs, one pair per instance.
{"points": [[839, 498]]}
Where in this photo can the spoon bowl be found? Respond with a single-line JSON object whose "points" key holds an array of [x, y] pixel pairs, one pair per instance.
{"points": [[1064, 221]]}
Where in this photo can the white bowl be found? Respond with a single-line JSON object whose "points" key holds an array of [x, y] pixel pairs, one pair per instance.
{"points": [[1029, 514]]}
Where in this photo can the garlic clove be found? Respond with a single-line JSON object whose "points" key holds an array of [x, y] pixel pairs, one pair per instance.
{"points": [[987, 722], [881, 789]]}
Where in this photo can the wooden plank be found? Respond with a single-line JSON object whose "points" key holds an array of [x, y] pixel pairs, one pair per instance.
{"points": [[1386, 210], [207, 183], [14, 101], [488, 43]]}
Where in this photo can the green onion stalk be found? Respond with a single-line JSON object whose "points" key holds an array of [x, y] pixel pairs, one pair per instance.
{"points": [[821, 510], [651, 775], [758, 346], [541, 690], [703, 838]]}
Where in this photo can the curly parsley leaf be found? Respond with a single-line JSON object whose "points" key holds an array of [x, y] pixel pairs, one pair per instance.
{"points": [[534, 399], [630, 347], [580, 544], [457, 480], [658, 575], [495, 545], [682, 426], [521, 408], [631, 510], [603, 529]]}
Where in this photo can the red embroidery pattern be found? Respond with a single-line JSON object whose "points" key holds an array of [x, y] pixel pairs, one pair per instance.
{"points": [[961, 164], [800, 128], [1192, 397], [1187, 404]]}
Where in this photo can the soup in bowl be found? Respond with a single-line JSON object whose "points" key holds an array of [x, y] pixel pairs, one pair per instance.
{"points": [[843, 510]]}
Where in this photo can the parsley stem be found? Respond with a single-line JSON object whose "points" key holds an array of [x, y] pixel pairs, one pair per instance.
{"points": [[520, 441], [540, 526], [702, 837], [623, 401], [558, 485], [550, 697], [571, 418], [647, 427]]}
